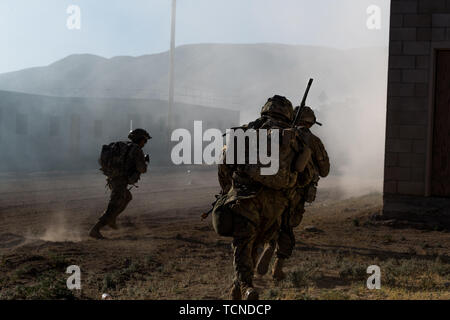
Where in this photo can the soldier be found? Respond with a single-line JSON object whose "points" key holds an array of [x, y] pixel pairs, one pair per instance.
{"points": [[255, 209], [133, 163], [304, 191]]}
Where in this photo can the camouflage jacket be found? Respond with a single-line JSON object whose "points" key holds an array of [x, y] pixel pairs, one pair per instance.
{"points": [[319, 155], [135, 163], [230, 175]]}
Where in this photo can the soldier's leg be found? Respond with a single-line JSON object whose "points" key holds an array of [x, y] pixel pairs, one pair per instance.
{"points": [[95, 230], [263, 263], [244, 236], [105, 218], [285, 243], [286, 238], [125, 199], [284, 248], [297, 215], [120, 197]]}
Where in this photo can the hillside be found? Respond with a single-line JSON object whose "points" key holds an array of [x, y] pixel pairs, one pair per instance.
{"points": [[240, 76], [348, 95]]}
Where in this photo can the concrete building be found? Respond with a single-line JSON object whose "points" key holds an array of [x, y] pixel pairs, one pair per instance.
{"points": [[417, 161], [41, 133]]}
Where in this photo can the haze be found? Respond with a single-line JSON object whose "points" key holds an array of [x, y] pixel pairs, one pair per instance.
{"points": [[34, 33], [230, 54]]}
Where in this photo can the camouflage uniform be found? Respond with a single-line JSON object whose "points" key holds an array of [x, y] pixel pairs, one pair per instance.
{"points": [[283, 241], [257, 210], [135, 165], [319, 166], [225, 173], [266, 207], [120, 194]]}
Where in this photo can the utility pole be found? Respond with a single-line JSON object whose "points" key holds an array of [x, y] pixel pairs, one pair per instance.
{"points": [[172, 67]]}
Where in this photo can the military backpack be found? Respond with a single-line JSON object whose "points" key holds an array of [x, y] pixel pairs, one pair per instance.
{"points": [[113, 159]]}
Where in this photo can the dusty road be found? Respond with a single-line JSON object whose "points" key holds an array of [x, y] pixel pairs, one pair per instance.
{"points": [[164, 251], [36, 205]]}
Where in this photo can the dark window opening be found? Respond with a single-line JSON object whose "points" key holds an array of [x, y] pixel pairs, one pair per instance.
{"points": [[440, 179]]}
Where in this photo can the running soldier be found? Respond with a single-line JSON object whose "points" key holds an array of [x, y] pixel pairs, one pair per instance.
{"points": [[304, 191], [250, 206], [122, 163]]}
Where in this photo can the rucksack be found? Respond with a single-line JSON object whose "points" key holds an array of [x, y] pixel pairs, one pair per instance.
{"points": [[290, 147], [286, 176], [222, 216], [113, 159]]}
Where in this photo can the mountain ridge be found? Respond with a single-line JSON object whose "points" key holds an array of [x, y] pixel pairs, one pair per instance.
{"points": [[236, 76]]}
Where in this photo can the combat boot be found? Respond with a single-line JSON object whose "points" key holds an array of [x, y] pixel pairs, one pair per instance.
{"points": [[263, 263], [249, 293], [235, 292], [95, 231], [277, 271]]}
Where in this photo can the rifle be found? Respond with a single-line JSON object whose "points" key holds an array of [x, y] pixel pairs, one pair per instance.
{"points": [[303, 103]]}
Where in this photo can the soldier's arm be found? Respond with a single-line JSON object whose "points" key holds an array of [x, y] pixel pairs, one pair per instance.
{"points": [[141, 165], [321, 157]]}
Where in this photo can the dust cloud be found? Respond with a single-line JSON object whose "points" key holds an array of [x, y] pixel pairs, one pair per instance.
{"points": [[59, 229], [348, 95]]}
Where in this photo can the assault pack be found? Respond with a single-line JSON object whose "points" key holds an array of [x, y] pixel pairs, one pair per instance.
{"points": [[286, 176], [113, 159]]}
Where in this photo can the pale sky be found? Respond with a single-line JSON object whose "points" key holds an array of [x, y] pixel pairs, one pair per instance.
{"points": [[34, 32]]}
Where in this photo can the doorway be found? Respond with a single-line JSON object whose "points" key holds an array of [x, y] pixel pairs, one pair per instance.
{"points": [[440, 174]]}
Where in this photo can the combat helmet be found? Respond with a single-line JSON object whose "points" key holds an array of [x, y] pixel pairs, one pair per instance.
{"points": [[306, 115], [138, 134], [278, 107]]}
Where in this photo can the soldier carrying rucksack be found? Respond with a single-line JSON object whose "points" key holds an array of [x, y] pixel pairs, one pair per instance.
{"points": [[305, 191], [250, 206], [122, 163]]}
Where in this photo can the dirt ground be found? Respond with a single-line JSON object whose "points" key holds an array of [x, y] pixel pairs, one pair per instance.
{"points": [[164, 251]]}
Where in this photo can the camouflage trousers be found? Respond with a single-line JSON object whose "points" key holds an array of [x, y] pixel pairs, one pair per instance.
{"points": [[285, 242], [119, 199], [244, 237], [255, 220]]}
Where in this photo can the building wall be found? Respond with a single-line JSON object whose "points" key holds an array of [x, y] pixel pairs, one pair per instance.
{"points": [[418, 28], [41, 133]]}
